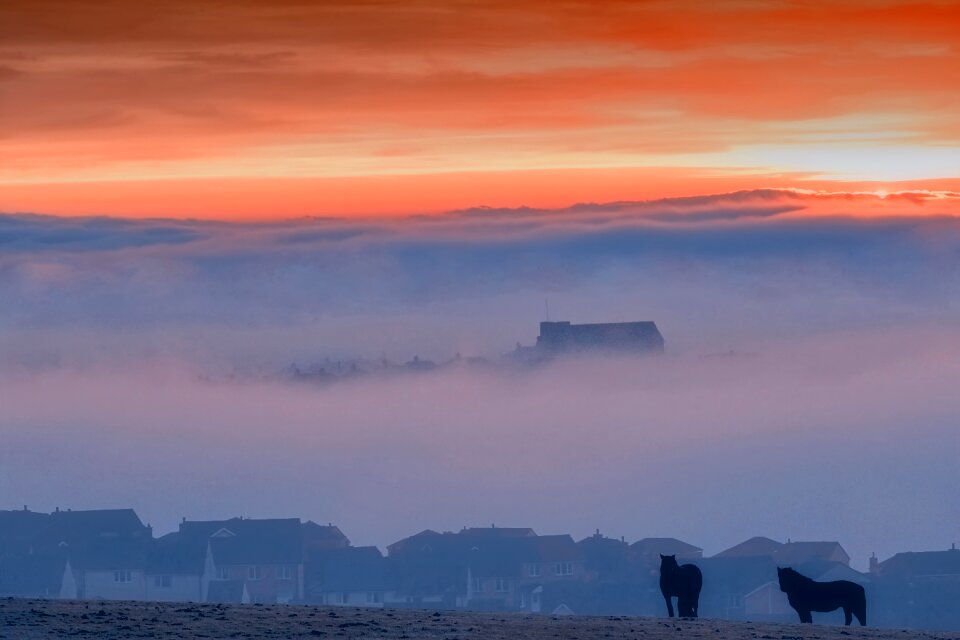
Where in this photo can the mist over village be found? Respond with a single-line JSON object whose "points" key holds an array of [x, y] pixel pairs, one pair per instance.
{"points": [[480, 320], [751, 369]]}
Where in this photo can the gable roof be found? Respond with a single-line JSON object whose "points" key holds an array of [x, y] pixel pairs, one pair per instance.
{"points": [[666, 546], [262, 526], [793, 553], [468, 536], [497, 532], [79, 527], [109, 555], [913, 564], [19, 529], [318, 535], [756, 546]]}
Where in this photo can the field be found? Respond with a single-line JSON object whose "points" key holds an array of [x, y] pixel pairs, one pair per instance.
{"points": [[41, 619]]}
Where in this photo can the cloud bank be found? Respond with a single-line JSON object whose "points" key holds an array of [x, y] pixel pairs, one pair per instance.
{"points": [[146, 350]]}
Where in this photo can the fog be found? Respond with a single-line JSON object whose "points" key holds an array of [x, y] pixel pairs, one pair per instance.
{"points": [[807, 390]]}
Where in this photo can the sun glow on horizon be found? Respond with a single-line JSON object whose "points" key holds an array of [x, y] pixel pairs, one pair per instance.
{"points": [[429, 106]]}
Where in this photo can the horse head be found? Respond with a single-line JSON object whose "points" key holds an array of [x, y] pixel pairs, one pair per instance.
{"points": [[668, 563], [788, 578]]}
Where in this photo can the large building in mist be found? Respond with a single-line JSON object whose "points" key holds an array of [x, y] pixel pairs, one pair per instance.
{"points": [[637, 337]]}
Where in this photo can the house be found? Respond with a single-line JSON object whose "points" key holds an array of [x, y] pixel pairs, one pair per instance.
{"points": [[174, 569], [36, 575], [110, 569], [266, 556], [433, 569], [347, 576], [502, 571], [637, 337], [606, 559], [918, 590], [429, 569]]}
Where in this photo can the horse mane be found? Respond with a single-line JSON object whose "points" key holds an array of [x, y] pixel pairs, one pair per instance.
{"points": [[796, 576]]}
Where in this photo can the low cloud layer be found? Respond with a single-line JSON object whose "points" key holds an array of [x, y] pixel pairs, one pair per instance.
{"points": [[151, 351]]}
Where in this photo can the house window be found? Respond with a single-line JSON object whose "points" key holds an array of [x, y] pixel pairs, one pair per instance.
{"points": [[374, 597], [563, 568], [478, 585], [122, 576], [502, 585], [164, 582], [533, 570], [222, 573], [253, 573], [284, 572]]}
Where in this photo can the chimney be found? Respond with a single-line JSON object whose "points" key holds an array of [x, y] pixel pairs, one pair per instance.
{"points": [[184, 521], [56, 509], [953, 546], [25, 508], [874, 565]]}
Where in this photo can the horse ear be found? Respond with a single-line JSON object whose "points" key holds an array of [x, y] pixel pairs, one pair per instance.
{"points": [[663, 557]]}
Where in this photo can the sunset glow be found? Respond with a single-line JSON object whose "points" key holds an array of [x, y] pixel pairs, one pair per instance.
{"points": [[278, 109]]}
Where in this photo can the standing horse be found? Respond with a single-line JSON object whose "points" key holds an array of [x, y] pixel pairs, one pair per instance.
{"points": [[683, 582], [806, 595]]}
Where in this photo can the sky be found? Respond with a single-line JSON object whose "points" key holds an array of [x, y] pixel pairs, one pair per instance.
{"points": [[195, 196], [266, 110]]}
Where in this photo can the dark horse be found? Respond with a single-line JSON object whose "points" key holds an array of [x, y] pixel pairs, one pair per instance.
{"points": [[683, 582], [806, 596]]}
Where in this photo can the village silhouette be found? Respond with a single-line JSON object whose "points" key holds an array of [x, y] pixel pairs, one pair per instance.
{"points": [[111, 555]]}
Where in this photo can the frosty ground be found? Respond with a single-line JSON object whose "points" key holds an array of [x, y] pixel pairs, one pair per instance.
{"points": [[23, 619]]}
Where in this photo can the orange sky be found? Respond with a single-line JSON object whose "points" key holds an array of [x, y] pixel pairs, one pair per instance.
{"points": [[282, 108]]}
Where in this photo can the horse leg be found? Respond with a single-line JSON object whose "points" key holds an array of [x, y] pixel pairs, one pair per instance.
{"points": [[806, 617], [861, 613], [847, 616], [683, 607], [669, 605]]}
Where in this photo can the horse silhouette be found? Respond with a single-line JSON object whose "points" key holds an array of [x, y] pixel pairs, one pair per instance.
{"points": [[683, 582], [806, 595]]}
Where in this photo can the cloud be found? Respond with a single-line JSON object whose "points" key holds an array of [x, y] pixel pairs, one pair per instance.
{"points": [[794, 262], [32, 233], [803, 330], [108, 92]]}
